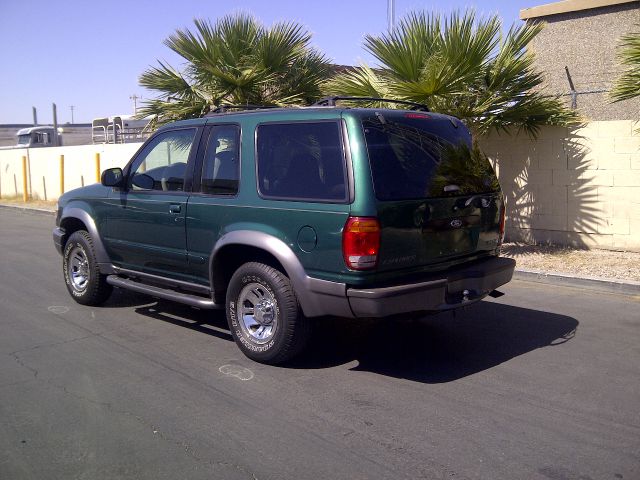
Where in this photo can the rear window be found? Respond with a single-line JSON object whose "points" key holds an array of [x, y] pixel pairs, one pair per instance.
{"points": [[415, 155], [301, 161]]}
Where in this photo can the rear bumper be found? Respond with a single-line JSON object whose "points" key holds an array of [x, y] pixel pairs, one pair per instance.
{"points": [[448, 290]]}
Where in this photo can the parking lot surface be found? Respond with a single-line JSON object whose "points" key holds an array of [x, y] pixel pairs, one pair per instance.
{"points": [[542, 383]]}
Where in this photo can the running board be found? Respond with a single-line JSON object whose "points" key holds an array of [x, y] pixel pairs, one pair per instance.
{"points": [[164, 293]]}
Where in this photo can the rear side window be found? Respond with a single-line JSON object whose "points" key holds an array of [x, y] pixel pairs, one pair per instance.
{"points": [[415, 156], [301, 161], [221, 166]]}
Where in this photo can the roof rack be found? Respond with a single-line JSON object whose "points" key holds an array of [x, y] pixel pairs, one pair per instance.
{"points": [[226, 108], [331, 102]]}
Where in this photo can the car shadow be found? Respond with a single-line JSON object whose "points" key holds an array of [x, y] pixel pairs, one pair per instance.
{"points": [[121, 298], [439, 348], [432, 349], [210, 322]]}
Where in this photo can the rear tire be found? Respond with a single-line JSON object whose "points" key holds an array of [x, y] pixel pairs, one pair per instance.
{"points": [[84, 281], [264, 315]]}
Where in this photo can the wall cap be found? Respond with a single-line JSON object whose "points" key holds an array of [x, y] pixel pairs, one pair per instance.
{"points": [[567, 6]]}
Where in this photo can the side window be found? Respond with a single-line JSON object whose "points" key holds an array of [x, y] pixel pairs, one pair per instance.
{"points": [[163, 163], [301, 161], [221, 166]]}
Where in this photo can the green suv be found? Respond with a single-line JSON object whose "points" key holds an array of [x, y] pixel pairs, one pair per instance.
{"points": [[281, 215]]}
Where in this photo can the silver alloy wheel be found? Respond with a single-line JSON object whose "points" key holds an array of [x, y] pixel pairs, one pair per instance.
{"points": [[258, 313], [78, 268]]}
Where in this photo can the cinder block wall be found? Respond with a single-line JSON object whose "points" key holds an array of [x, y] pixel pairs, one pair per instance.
{"points": [[577, 187]]}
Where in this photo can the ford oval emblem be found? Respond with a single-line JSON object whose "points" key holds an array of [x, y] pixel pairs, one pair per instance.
{"points": [[456, 223]]}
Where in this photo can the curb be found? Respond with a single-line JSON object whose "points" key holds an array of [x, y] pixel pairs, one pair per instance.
{"points": [[25, 209], [626, 287]]}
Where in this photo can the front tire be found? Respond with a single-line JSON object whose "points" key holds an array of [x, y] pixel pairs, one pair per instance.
{"points": [[264, 316], [84, 281]]}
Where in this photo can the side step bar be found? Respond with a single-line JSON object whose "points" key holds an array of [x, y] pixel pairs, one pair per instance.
{"points": [[164, 293]]}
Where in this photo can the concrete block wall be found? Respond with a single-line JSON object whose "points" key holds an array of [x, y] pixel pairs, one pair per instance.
{"points": [[43, 168], [577, 187]]}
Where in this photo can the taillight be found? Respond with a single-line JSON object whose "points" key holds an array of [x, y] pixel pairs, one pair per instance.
{"points": [[502, 223], [361, 242]]}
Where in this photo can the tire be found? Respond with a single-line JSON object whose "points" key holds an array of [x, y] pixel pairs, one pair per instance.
{"points": [[264, 316], [84, 281]]}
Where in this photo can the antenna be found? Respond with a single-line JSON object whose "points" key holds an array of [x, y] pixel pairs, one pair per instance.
{"points": [[391, 15], [573, 92], [135, 99]]}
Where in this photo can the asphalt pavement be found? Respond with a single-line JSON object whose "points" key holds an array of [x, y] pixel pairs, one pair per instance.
{"points": [[542, 383]]}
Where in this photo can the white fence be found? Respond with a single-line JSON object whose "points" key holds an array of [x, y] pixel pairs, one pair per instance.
{"points": [[45, 170]]}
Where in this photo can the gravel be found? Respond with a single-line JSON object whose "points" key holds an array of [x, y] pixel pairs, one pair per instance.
{"points": [[585, 263]]}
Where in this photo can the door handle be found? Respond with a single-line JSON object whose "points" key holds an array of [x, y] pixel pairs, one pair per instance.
{"points": [[174, 208]]}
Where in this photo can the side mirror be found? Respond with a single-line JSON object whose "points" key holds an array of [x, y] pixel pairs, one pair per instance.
{"points": [[112, 177]]}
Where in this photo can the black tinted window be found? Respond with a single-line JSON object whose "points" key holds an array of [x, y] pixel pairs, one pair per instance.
{"points": [[221, 166], [301, 161], [415, 155]]}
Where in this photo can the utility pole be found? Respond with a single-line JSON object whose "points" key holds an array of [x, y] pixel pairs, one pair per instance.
{"points": [[72, 107], [391, 15], [135, 98], [56, 142]]}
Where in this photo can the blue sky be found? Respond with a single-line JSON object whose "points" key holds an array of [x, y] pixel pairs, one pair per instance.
{"points": [[90, 54]]}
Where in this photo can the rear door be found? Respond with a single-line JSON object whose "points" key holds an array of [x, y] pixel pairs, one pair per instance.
{"points": [[214, 201], [438, 198]]}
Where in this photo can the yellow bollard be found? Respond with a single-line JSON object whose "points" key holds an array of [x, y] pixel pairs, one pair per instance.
{"points": [[25, 194], [61, 174], [98, 167]]}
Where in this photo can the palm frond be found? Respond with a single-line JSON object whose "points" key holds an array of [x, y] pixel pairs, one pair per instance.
{"points": [[281, 45], [165, 79], [359, 82], [627, 85], [302, 83], [405, 50], [235, 60], [461, 65], [164, 111]]}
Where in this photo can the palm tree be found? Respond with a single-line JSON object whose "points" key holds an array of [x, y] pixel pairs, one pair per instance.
{"points": [[627, 85], [235, 61], [462, 66]]}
